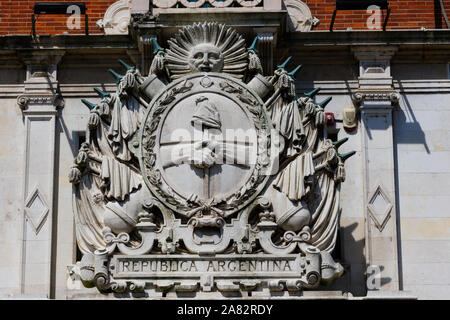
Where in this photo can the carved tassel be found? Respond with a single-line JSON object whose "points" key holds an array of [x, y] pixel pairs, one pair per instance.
{"points": [[340, 173], [301, 135], [74, 175], [158, 63], [286, 84], [254, 64]]}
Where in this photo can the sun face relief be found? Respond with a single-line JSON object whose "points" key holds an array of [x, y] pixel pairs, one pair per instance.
{"points": [[206, 47], [206, 57]]}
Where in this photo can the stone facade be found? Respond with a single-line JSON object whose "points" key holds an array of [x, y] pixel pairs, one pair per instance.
{"points": [[389, 84]]}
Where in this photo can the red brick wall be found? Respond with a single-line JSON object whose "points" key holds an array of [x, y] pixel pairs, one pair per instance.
{"points": [[15, 16], [405, 14]]}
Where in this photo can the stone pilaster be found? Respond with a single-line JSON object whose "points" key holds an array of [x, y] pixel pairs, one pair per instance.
{"points": [[39, 104], [146, 48], [267, 39], [375, 99]]}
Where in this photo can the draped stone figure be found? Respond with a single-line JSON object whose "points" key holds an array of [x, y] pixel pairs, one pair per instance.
{"points": [[103, 176], [206, 157]]}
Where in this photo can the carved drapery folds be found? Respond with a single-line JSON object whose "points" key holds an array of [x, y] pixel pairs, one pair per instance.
{"points": [[206, 156]]}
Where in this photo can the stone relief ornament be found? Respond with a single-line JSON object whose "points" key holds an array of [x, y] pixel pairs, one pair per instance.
{"points": [[299, 16], [206, 176], [117, 18]]}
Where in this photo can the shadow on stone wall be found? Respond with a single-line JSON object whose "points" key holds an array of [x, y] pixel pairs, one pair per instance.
{"points": [[350, 253], [405, 132], [407, 129]]}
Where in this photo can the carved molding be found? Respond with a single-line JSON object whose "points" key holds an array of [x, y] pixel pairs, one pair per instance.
{"points": [[375, 69], [36, 209], [299, 16], [42, 103], [166, 4], [24, 100], [117, 18], [391, 96]]}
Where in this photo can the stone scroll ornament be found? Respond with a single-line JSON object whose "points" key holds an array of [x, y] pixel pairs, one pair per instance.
{"points": [[207, 176]]}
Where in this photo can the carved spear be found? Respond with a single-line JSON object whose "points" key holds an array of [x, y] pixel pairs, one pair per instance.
{"points": [[126, 66], [284, 64], [347, 155], [293, 72], [339, 143], [101, 93], [312, 93], [88, 104], [253, 46]]}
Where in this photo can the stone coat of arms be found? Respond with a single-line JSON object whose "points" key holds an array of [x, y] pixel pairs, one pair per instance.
{"points": [[207, 176]]}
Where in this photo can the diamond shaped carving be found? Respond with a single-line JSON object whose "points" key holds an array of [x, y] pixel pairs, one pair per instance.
{"points": [[380, 207], [36, 209]]}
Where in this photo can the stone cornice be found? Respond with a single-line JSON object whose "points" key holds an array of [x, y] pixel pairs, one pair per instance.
{"points": [[65, 42], [361, 38], [239, 18], [417, 39], [367, 52]]}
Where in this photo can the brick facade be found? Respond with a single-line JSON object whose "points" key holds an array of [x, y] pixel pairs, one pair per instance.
{"points": [[15, 16], [405, 14]]}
